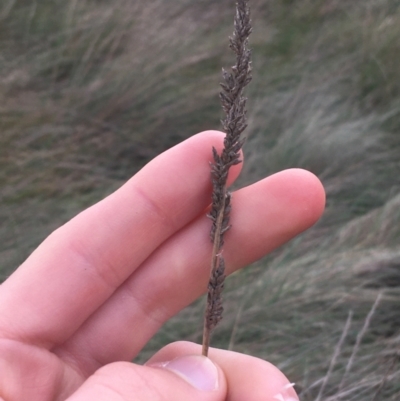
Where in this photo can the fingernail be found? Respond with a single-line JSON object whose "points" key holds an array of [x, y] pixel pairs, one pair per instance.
{"points": [[197, 370], [287, 394]]}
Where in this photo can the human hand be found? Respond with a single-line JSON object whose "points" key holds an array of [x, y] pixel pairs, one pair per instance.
{"points": [[98, 288]]}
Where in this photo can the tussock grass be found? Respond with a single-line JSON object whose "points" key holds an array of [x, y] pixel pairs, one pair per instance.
{"points": [[89, 91]]}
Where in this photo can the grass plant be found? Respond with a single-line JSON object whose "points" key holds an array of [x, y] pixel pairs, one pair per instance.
{"points": [[235, 122], [91, 90]]}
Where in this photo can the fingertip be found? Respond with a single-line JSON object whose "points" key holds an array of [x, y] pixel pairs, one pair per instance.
{"points": [[271, 212], [185, 360], [247, 378], [194, 156], [215, 138], [307, 192], [211, 133], [197, 370]]}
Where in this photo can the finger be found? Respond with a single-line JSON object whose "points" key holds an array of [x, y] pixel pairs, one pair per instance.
{"points": [[248, 378], [192, 377], [264, 216], [80, 265]]}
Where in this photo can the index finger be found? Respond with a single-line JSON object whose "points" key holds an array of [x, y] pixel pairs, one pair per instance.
{"points": [[80, 265]]}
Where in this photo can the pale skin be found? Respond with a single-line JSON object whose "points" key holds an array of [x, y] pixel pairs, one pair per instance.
{"points": [[97, 289]]}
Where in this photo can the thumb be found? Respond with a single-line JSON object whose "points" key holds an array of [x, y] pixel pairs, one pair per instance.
{"points": [[189, 377]]}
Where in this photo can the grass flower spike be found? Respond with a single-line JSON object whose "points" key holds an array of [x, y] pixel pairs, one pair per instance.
{"points": [[234, 105]]}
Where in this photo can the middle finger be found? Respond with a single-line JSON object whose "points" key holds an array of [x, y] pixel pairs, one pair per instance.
{"points": [[177, 273]]}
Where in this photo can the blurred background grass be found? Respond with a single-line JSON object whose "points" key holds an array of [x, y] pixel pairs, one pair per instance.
{"points": [[91, 90]]}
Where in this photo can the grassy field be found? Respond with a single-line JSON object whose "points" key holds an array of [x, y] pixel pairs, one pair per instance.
{"points": [[89, 92]]}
